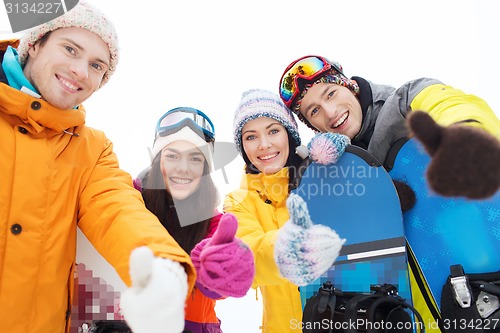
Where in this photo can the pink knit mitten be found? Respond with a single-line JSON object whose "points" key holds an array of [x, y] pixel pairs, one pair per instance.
{"points": [[224, 264]]}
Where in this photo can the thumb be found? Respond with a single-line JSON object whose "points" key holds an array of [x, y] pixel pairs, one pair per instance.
{"points": [[299, 214], [226, 230], [426, 130], [141, 263]]}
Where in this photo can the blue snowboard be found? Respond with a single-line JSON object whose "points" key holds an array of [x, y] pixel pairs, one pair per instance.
{"points": [[356, 198], [443, 231]]}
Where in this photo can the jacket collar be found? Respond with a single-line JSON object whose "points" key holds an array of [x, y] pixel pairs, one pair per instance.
{"points": [[365, 98], [14, 72], [269, 187], [37, 114]]}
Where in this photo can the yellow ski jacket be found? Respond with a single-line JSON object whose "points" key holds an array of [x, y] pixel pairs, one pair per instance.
{"points": [[260, 207]]}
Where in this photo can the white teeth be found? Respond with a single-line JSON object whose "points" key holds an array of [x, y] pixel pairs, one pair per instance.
{"points": [[267, 157], [69, 85], [341, 120], [180, 180]]}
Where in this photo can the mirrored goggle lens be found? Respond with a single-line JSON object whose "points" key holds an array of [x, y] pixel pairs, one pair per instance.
{"points": [[174, 118], [305, 68]]}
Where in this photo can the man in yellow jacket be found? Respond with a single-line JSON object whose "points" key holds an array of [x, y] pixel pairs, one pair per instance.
{"points": [[58, 174]]}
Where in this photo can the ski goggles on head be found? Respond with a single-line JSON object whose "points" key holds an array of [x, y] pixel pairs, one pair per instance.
{"points": [[306, 68], [177, 118]]}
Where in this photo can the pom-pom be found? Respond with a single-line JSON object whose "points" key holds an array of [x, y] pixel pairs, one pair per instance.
{"points": [[327, 148], [302, 151]]}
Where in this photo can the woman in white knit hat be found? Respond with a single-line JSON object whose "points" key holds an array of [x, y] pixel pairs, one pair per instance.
{"points": [[179, 190], [58, 174], [272, 222]]}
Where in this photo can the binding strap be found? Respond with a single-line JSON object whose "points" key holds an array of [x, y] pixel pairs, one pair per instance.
{"points": [[351, 311], [398, 303]]}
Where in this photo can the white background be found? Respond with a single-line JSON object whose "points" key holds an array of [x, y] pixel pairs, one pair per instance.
{"points": [[204, 54]]}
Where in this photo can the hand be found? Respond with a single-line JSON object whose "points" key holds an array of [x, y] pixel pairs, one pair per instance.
{"points": [[464, 161], [137, 182], [327, 148], [224, 264], [303, 251], [155, 301], [406, 195]]}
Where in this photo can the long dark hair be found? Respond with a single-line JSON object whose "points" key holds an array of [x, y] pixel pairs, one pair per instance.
{"points": [[293, 162], [196, 211]]}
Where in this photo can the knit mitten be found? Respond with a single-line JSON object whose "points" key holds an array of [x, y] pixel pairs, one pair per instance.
{"points": [[137, 182], [407, 198], [155, 301], [303, 251], [327, 148], [464, 161], [224, 264], [207, 292]]}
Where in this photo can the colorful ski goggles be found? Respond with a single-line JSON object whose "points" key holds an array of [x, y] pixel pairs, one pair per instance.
{"points": [[177, 118], [306, 68]]}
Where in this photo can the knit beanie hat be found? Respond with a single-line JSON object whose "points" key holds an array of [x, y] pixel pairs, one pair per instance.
{"points": [[332, 76], [84, 16], [257, 103], [185, 134]]}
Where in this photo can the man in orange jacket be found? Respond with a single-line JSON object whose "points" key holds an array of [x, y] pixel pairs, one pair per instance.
{"points": [[58, 174]]}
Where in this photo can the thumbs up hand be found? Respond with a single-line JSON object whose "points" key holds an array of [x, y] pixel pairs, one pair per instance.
{"points": [[224, 264], [304, 251], [155, 301]]}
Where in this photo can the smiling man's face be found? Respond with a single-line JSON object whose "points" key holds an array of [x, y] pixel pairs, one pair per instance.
{"points": [[330, 107], [68, 67]]}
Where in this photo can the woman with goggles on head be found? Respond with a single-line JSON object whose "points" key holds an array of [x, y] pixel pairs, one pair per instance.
{"points": [[289, 251], [373, 116], [178, 189]]}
